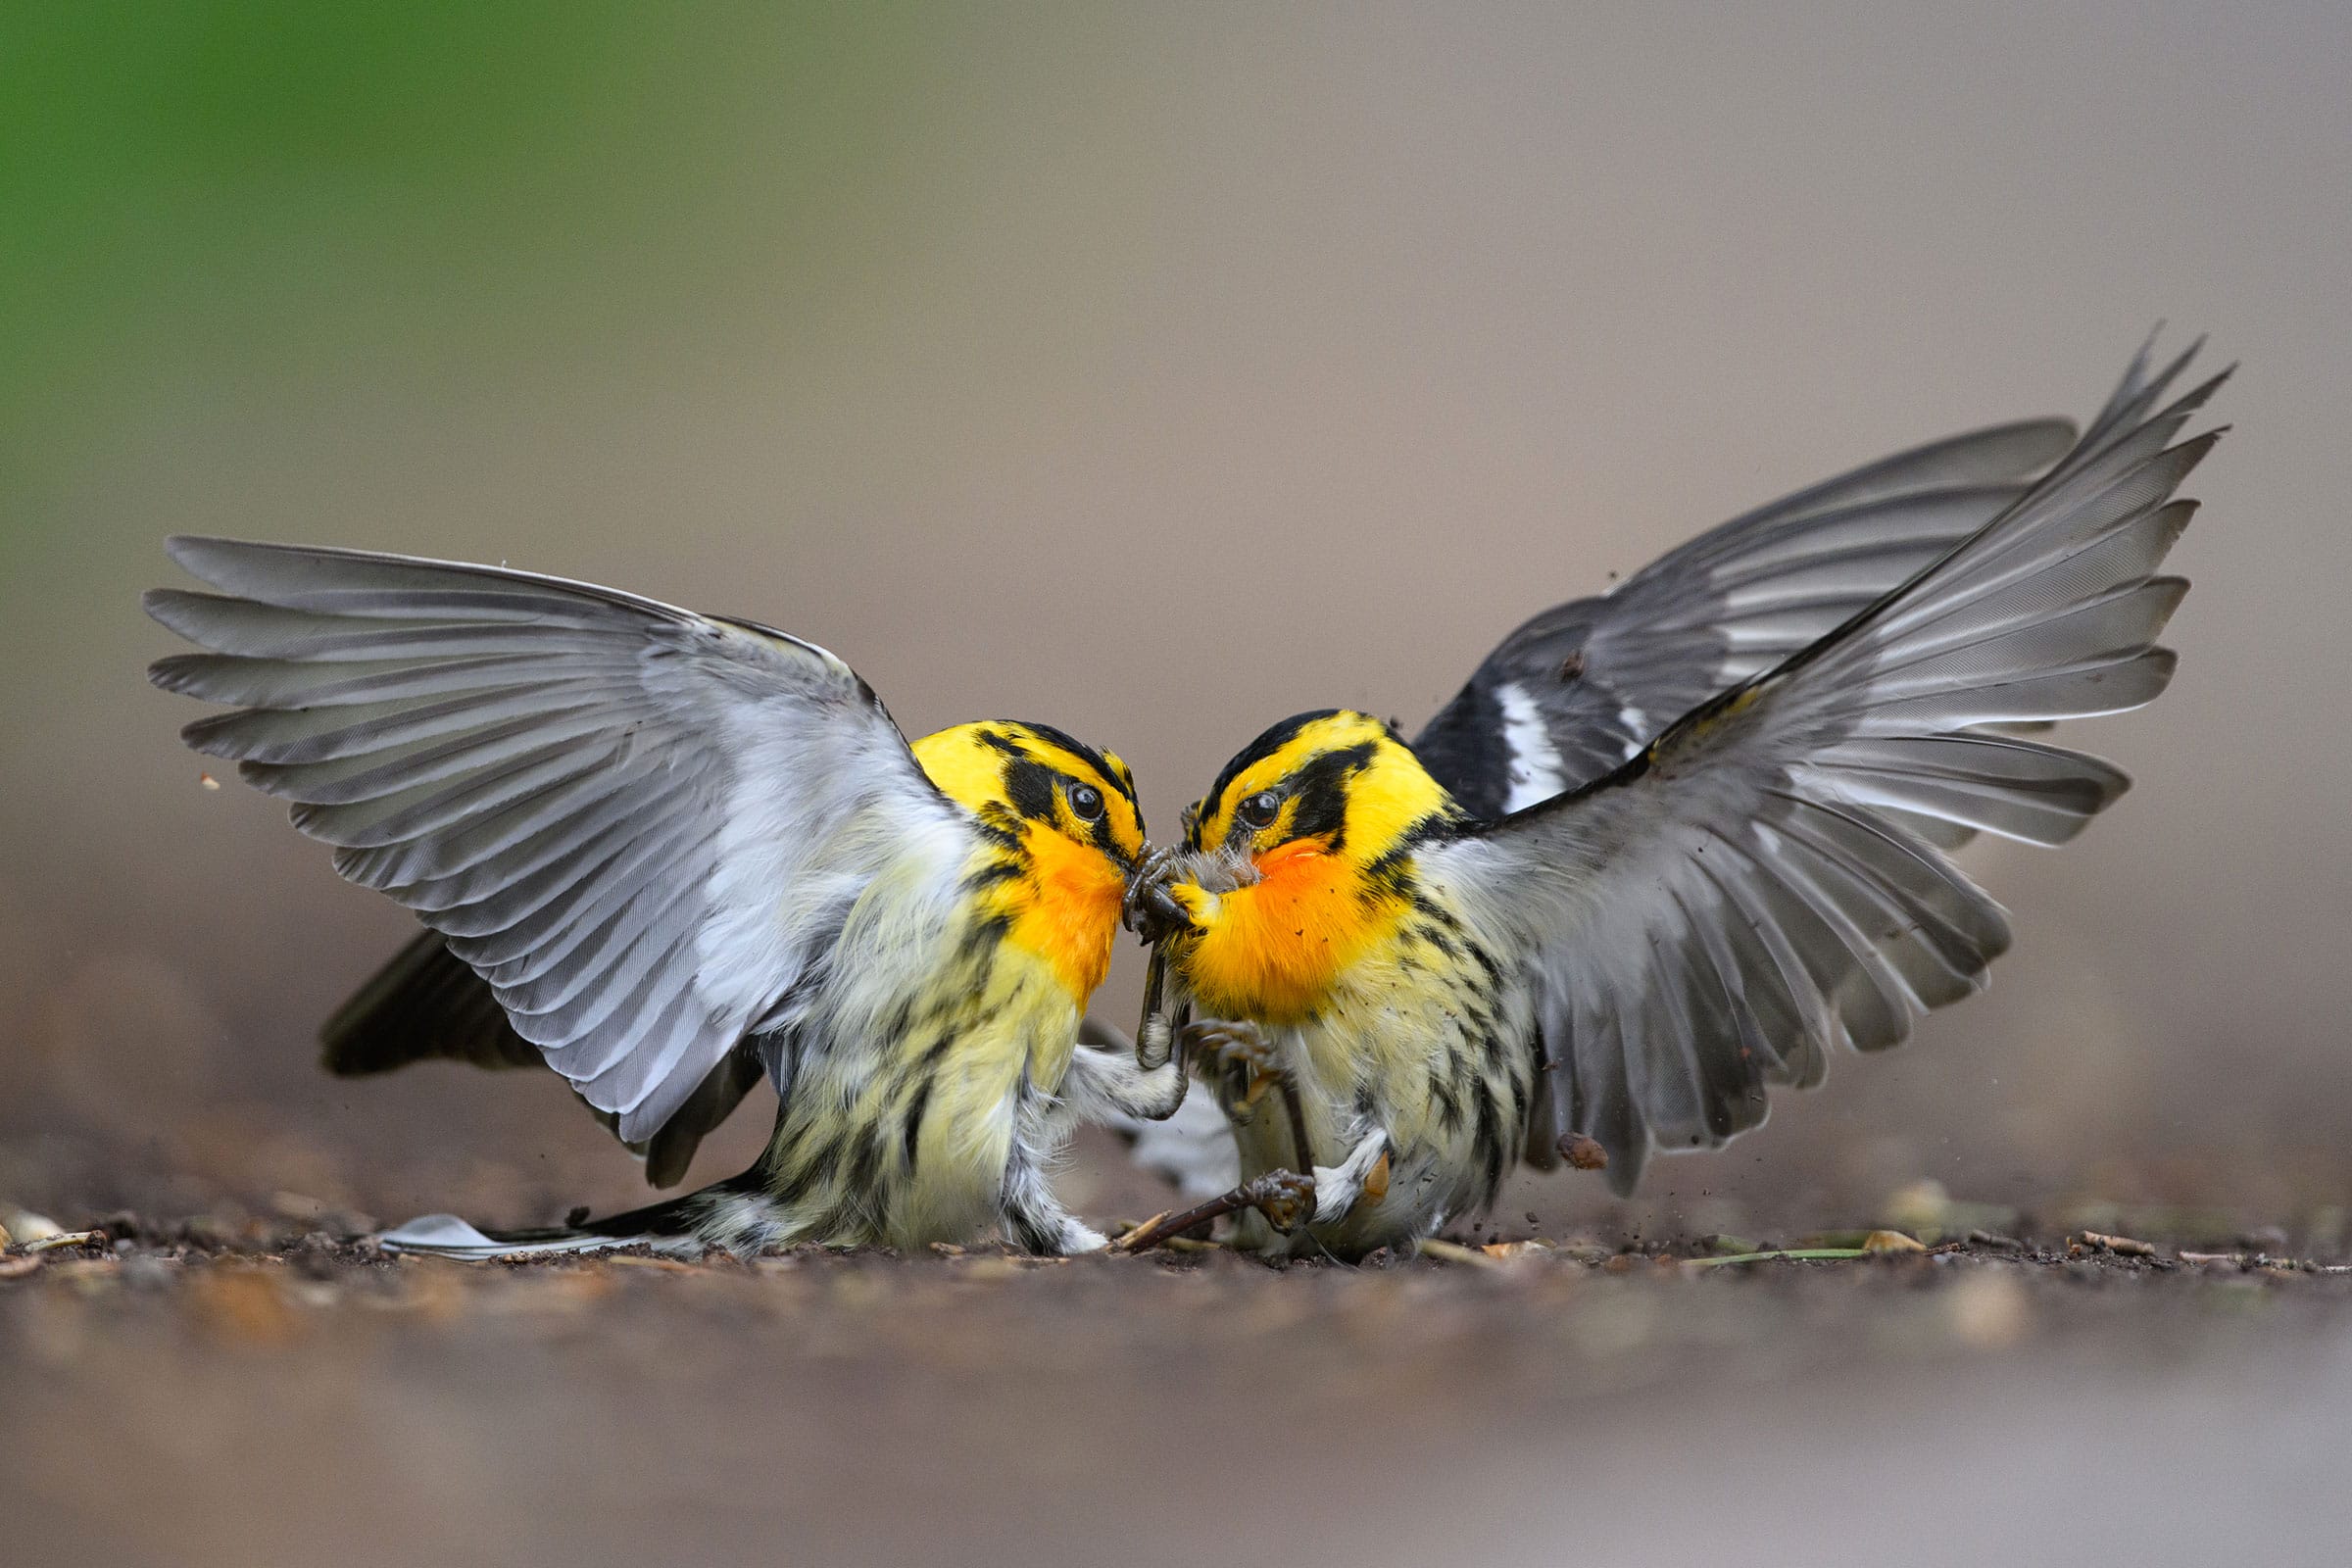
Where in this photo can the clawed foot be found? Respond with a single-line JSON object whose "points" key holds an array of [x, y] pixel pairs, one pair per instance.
{"points": [[1149, 909], [1284, 1197], [1234, 1054]]}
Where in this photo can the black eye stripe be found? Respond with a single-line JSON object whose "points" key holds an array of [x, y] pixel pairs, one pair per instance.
{"points": [[1120, 780], [1029, 787]]}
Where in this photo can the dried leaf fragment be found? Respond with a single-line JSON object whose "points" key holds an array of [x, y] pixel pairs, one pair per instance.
{"points": [[2123, 1245], [1583, 1153]]}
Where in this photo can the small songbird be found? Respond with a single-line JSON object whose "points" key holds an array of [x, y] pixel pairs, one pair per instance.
{"points": [[666, 853], [1671, 846]]}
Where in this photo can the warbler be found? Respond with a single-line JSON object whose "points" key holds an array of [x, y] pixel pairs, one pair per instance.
{"points": [[1672, 846], [667, 854]]}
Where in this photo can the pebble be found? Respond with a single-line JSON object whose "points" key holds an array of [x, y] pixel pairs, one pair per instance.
{"points": [[1990, 1310]]}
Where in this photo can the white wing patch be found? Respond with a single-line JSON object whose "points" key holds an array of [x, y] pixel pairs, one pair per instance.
{"points": [[1637, 727], [1536, 771]]}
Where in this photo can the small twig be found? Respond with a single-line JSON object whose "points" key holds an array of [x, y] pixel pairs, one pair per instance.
{"points": [[1446, 1252], [667, 1265], [48, 1244], [2124, 1245], [1823, 1254]]}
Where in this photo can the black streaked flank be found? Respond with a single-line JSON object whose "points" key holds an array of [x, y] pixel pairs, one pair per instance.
{"points": [[1450, 1104], [866, 1160], [981, 937], [1489, 1141], [916, 1104]]}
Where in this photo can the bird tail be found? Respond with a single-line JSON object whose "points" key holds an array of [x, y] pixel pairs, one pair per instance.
{"points": [[733, 1214]]}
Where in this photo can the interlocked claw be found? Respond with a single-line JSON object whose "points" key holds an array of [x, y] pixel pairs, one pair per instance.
{"points": [[1147, 908], [1234, 1054], [1286, 1197]]}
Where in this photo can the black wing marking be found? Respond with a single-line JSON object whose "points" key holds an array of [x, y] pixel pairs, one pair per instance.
{"points": [[1580, 688]]}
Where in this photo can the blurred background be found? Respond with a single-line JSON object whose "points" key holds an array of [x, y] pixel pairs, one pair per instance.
{"points": [[1156, 373]]}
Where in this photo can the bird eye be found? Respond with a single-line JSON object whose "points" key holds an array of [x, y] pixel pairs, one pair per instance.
{"points": [[1086, 802], [1259, 809]]}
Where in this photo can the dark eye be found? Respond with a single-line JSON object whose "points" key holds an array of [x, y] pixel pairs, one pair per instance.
{"points": [[1259, 809], [1086, 802]]}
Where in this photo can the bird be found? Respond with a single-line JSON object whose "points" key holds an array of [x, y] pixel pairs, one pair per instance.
{"points": [[1670, 847], [666, 855]]}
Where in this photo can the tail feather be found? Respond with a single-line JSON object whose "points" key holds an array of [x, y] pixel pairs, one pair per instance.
{"points": [[448, 1236], [728, 1214]]}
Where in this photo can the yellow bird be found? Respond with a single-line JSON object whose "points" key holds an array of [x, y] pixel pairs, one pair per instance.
{"points": [[668, 854], [1672, 846]]}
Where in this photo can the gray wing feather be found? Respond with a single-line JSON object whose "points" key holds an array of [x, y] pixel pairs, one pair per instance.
{"points": [[636, 823], [1766, 880], [1580, 688]]}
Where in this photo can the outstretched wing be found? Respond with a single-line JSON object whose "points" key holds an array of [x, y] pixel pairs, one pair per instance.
{"points": [[1583, 686], [1744, 893], [641, 827]]}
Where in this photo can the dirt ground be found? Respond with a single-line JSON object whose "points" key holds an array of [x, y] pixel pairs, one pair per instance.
{"points": [[227, 1391]]}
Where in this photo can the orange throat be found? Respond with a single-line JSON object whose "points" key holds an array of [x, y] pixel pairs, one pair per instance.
{"points": [[1273, 950], [1073, 916]]}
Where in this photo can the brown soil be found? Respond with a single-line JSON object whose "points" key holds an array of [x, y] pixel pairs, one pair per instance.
{"points": [[193, 1392]]}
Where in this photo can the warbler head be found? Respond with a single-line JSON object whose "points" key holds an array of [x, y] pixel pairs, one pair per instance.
{"points": [[1300, 861], [1028, 782], [1059, 833], [1335, 782]]}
